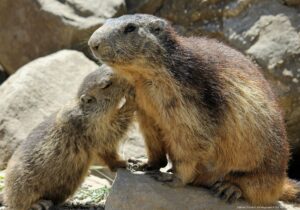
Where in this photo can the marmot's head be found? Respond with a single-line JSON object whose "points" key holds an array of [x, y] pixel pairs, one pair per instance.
{"points": [[132, 41]]}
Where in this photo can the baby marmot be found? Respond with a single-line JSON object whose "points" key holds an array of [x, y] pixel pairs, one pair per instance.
{"points": [[52, 162]]}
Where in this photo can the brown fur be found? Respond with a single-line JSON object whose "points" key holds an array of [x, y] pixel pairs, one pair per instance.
{"points": [[53, 161], [216, 115]]}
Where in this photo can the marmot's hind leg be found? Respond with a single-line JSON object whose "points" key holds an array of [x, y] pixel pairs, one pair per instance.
{"points": [[259, 188]]}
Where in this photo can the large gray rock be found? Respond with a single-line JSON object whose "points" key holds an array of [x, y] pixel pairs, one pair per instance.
{"points": [[34, 28], [34, 92], [141, 192], [143, 6], [194, 17]]}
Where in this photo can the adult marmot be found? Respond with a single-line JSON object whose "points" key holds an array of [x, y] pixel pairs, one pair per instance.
{"points": [[52, 162], [213, 112]]}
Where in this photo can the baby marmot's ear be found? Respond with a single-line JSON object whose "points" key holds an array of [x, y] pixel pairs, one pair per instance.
{"points": [[104, 83]]}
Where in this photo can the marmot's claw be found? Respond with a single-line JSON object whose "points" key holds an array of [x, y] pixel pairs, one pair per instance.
{"points": [[227, 191]]}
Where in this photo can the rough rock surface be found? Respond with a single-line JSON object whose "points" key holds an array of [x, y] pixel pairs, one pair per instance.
{"points": [[34, 28], [35, 91], [139, 191], [143, 6]]}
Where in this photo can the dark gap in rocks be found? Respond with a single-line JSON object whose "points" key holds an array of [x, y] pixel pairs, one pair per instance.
{"points": [[294, 165], [3, 75]]}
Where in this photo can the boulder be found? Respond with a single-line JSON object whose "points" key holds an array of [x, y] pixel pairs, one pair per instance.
{"points": [[193, 17], [139, 191], [143, 6], [34, 92], [34, 28]]}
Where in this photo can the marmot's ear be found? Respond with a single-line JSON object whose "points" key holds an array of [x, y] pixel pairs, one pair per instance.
{"points": [[105, 81], [157, 26]]}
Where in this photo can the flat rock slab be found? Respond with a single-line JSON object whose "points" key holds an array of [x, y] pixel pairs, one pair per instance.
{"points": [[141, 192]]}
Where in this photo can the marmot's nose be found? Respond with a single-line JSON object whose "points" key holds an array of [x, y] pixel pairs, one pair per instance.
{"points": [[99, 42], [93, 44]]}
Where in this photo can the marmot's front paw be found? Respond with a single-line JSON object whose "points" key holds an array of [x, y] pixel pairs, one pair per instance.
{"points": [[227, 191], [42, 204]]}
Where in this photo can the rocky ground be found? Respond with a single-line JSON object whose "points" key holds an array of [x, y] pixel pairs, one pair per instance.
{"points": [[44, 56]]}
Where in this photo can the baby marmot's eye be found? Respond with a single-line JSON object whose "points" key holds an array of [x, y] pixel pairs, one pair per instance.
{"points": [[129, 28], [156, 30]]}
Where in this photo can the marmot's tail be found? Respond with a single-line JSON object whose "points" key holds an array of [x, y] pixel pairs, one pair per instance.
{"points": [[291, 191]]}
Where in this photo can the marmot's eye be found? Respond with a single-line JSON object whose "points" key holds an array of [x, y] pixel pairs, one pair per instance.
{"points": [[89, 101], [157, 30], [129, 28]]}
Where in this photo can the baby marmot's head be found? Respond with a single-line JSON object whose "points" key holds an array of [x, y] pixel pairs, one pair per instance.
{"points": [[100, 95], [101, 92]]}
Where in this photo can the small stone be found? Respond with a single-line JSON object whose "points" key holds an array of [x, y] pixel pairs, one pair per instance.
{"points": [[287, 73]]}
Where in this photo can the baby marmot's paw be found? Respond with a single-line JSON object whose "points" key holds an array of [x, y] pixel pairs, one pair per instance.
{"points": [[227, 191], [134, 164]]}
